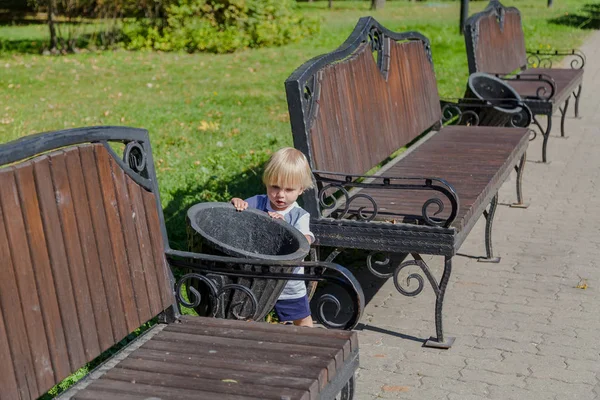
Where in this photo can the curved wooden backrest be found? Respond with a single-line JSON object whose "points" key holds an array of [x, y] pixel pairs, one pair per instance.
{"points": [[350, 109], [83, 263], [495, 41]]}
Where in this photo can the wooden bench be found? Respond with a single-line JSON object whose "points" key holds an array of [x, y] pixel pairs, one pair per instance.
{"points": [[496, 45], [350, 110], [85, 262]]}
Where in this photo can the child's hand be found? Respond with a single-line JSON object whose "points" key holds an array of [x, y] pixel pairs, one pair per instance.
{"points": [[239, 204], [275, 215]]}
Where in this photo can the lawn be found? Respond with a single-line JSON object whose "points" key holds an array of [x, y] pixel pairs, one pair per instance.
{"points": [[214, 119]]}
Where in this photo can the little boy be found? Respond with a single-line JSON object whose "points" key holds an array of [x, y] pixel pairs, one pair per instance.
{"points": [[286, 176]]}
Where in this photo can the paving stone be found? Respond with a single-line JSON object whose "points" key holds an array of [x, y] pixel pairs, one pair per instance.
{"points": [[516, 393], [561, 389], [492, 377], [549, 371], [524, 330]]}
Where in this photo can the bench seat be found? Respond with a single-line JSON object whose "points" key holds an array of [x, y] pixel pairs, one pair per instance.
{"points": [[474, 160], [566, 80], [451, 154], [205, 358]]}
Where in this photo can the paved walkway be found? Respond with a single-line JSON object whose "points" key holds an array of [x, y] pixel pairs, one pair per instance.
{"points": [[524, 330]]}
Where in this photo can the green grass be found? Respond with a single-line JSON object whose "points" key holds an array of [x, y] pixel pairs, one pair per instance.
{"points": [[214, 119]]}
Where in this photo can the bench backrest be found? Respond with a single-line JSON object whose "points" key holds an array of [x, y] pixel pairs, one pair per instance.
{"points": [[82, 250], [495, 41], [352, 108]]}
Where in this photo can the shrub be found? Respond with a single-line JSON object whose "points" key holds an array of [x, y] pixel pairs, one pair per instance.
{"points": [[219, 26]]}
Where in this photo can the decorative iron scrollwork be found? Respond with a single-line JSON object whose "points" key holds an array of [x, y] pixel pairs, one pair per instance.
{"points": [[205, 270], [415, 276], [342, 204], [380, 49], [360, 213], [135, 157], [453, 112], [371, 262], [544, 59], [189, 282], [468, 112], [310, 98]]}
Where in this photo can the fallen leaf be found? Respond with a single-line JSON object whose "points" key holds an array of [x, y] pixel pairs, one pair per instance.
{"points": [[229, 380], [582, 284]]}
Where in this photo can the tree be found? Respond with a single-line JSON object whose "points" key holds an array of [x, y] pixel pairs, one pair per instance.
{"points": [[377, 4], [51, 26]]}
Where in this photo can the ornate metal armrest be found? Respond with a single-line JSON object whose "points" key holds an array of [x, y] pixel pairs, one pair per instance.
{"points": [[547, 84], [327, 182], [203, 266], [467, 111], [543, 59]]}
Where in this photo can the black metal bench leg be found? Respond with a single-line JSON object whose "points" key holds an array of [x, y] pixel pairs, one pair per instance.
{"points": [[577, 100], [545, 134], [439, 341], [347, 392], [489, 216], [563, 111], [519, 168]]}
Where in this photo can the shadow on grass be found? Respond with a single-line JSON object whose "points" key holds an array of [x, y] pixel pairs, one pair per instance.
{"points": [[589, 18]]}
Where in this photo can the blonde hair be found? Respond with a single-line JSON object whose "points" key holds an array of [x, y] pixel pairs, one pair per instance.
{"points": [[288, 167]]}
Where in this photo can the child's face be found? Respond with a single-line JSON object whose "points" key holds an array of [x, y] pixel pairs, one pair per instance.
{"points": [[283, 197]]}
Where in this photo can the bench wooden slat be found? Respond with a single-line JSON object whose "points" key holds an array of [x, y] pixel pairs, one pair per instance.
{"points": [[114, 225], [240, 363], [251, 343], [89, 248], [134, 258], [143, 239], [201, 384], [308, 361], [120, 388], [51, 252], [25, 323], [260, 336], [14, 333], [448, 155], [103, 240], [8, 381], [99, 394], [72, 248], [158, 247], [244, 378], [274, 328]]}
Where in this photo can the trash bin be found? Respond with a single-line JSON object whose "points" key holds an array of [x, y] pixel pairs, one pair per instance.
{"points": [[500, 103], [218, 228]]}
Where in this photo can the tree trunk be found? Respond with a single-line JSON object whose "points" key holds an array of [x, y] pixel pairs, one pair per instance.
{"points": [[51, 26], [464, 14], [549, 3], [330, 4], [377, 4]]}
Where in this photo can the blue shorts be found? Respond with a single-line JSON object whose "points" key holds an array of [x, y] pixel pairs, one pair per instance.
{"points": [[292, 309]]}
